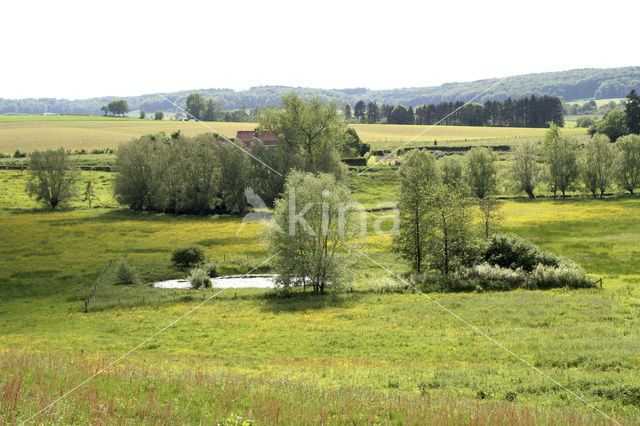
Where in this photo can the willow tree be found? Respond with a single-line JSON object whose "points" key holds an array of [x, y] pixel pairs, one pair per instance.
{"points": [[52, 177]]}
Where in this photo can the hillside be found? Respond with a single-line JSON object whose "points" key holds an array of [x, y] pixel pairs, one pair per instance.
{"points": [[569, 85]]}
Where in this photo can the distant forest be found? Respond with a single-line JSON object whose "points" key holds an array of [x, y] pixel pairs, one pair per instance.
{"points": [[568, 85]]}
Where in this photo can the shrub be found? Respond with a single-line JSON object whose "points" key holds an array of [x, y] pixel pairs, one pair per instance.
{"points": [[126, 274], [211, 269], [19, 154], [545, 277], [389, 285], [187, 256], [513, 252], [199, 279], [490, 277]]}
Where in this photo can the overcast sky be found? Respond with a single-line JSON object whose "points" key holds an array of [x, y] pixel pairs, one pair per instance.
{"points": [[80, 49]]}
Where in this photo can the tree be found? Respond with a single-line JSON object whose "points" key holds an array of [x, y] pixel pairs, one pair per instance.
{"points": [[598, 164], [143, 114], [481, 171], [211, 111], [89, 195], [489, 212], [347, 112], [632, 112], [452, 171], [411, 116], [234, 176], [524, 169], [628, 171], [399, 115], [373, 113], [359, 111], [310, 130], [104, 109], [560, 155], [353, 146], [52, 177], [158, 115], [418, 175], [613, 125], [450, 241], [315, 232], [195, 106]]}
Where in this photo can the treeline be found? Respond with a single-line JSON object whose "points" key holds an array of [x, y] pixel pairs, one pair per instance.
{"points": [[568, 85], [532, 111]]}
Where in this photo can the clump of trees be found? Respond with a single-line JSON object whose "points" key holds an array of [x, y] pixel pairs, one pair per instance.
{"points": [[117, 107], [617, 123]]}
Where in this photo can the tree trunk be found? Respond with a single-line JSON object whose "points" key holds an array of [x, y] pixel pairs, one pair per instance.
{"points": [[531, 194]]}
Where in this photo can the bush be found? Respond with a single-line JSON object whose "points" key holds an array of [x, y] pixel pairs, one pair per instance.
{"points": [[126, 274], [19, 154], [490, 277], [199, 279], [211, 269], [389, 285], [187, 256], [513, 252], [545, 277]]}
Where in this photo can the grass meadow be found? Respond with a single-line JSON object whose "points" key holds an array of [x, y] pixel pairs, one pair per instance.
{"points": [[29, 133]]}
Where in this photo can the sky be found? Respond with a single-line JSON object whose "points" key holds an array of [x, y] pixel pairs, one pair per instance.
{"points": [[82, 49]]}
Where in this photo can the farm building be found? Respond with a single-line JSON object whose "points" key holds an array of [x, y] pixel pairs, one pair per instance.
{"points": [[247, 137]]}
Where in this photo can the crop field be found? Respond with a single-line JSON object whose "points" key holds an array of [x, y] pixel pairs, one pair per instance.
{"points": [[364, 355], [28, 133]]}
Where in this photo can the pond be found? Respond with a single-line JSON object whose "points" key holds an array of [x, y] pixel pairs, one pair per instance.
{"points": [[229, 281]]}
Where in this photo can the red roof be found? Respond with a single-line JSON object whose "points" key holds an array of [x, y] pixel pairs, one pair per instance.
{"points": [[247, 136]]}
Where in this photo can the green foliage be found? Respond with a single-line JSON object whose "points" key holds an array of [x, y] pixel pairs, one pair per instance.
{"points": [[126, 274], [613, 125], [89, 194], [632, 112], [52, 178], [315, 233], [452, 171], [598, 165], [211, 269], [628, 170], [353, 146], [187, 256], [565, 275], [561, 157], [513, 252], [118, 107], [585, 122], [480, 171], [524, 170], [418, 177], [199, 279], [158, 115], [143, 114], [196, 105]]}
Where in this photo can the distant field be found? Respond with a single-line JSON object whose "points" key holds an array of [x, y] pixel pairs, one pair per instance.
{"points": [[28, 133]]}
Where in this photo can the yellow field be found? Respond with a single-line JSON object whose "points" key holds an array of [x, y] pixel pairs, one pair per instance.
{"points": [[86, 133]]}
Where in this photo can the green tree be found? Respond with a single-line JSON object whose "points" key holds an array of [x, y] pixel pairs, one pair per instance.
{"points": [[195, 106], [399, 115], [158, 115], [613, 125], [359, 111], [373, 113], [481, 171], [450, 242], [104, 109], [143, 114], [211, 112], [560, 155], [89, 194], [598, 162], [632, 112], [628, 170], [525, 168], [314, 131], [52, 177], [118, 107], [418, 176], [490, 214], [452, 171], [235, 166], [346, 110], [316, 232]]}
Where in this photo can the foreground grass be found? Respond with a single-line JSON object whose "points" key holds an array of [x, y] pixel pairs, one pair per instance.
{"points": [[374, 355]]}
